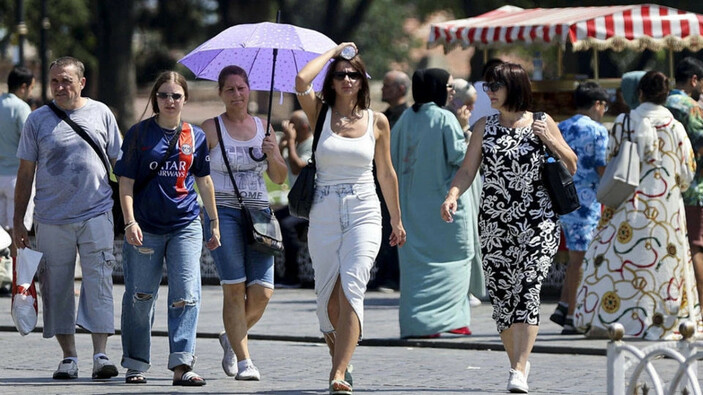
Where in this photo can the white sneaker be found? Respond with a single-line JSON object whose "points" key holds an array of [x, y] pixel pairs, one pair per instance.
{"points": [[517, 382], [250, 372], [527, 370], [474, 301], [68, 369], [103, 368], [229, 360]]}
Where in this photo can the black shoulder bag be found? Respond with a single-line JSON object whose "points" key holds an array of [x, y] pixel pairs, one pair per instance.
{"points": [[558, 181], [302, 193], [117, 218], [263, 232]]}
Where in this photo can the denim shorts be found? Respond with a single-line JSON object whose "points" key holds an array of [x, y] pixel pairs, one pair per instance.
{"points": [[236, 262]]}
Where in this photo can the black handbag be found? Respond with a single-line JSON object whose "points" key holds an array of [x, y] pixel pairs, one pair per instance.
{"points": [[117, 217], [558, 181], [302, 193], [263, 232]]}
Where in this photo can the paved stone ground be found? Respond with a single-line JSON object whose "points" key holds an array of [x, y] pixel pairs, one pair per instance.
{"points": [[287, 348]]}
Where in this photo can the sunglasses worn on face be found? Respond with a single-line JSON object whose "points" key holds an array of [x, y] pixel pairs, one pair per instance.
{"points": [[164, 96], [341, 75], [493, 86]]}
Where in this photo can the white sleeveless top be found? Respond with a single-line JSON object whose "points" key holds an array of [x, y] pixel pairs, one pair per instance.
{"points": [[247, 172], [345, 160]]}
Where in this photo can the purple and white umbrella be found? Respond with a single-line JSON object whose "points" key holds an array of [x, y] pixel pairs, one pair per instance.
{"points": [[251, 47]]}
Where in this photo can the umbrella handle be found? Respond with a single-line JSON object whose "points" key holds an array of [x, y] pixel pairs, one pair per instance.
{"points": [[268, 118], [251, 154]]}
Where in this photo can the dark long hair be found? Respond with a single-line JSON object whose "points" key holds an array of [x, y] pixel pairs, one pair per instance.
{"points": [[363, 98]]}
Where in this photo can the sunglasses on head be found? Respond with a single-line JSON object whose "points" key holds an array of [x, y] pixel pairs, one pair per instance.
{"points": [[341, 75], [493, 86], [164, 96]]}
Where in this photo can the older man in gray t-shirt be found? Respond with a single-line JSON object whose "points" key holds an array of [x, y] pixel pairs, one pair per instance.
{"points": [[73, 205]]}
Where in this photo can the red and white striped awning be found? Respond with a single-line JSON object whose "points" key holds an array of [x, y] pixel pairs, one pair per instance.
{"points": [[638, 27]]}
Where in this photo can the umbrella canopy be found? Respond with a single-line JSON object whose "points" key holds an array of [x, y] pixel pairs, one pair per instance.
{"points": [[250, 46], [638, 27]]}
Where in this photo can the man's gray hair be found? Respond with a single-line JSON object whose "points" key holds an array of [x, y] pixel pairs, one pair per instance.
{"points": [[69, 61], [403, 80]]}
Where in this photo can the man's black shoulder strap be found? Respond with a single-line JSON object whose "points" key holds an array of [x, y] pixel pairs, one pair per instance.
{"points": [[64, 117]]}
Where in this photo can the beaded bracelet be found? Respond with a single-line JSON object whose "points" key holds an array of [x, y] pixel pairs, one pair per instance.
{"points": [[307, 91]]}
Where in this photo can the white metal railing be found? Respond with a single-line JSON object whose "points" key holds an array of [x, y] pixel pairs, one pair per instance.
{"points": [[684, 352]]}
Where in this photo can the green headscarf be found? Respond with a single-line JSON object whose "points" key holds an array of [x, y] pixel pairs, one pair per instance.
{"points": [[628, 87]]}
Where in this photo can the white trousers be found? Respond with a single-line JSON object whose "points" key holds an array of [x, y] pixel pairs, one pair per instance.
{"points": [[344, 237]]}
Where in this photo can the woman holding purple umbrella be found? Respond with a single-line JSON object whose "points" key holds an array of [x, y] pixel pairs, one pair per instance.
{"points": [[246, 275], [345, 221]]}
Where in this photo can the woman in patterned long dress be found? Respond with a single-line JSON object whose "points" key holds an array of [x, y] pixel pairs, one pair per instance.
{"points": [[519, 230], [638, 270]]}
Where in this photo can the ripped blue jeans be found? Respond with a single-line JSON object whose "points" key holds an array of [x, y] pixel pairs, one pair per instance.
{"points": [[142, 266]]}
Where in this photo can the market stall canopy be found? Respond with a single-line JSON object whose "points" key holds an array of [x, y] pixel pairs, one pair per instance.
{"points": [[637, 27]]}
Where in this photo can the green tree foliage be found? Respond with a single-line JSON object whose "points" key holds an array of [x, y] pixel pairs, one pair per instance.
{"points": [[176, 28], [378, 46], [376, 26], [71, 31]]}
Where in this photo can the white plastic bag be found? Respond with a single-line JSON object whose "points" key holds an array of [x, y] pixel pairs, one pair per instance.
{"points": [[24, 294]]}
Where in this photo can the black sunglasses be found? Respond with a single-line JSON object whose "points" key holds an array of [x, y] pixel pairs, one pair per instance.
{"points": [[164, 96], [341, 75], [493, 86]]}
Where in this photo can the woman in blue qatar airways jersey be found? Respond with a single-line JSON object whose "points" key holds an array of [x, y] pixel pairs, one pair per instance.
{"points": [[162, 159]]}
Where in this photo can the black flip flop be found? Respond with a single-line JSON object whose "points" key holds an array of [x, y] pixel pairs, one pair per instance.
{"points": [[190, 379], [135, 378]]}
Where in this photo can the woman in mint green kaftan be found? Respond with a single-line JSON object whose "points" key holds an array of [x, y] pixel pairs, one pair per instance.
{"points": [[427, 148]]}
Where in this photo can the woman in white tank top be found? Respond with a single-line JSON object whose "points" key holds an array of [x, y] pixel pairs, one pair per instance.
{"points": [[246, 275], [345, 221]]}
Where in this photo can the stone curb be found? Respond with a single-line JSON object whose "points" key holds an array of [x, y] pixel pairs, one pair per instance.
{"points": [[410, 343]]}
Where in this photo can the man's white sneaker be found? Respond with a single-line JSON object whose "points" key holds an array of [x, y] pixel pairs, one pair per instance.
{"points": [[68, 369], [250, 372], [229, 360], [103, 368], [517, 382]]}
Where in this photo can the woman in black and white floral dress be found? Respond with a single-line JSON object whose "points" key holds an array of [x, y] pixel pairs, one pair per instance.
{"points": [[518, 228]]}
